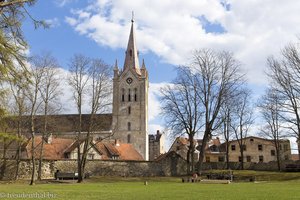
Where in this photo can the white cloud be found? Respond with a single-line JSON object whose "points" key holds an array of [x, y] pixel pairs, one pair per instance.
{"points": [[62, 3], [53, 22], [172, 29]]}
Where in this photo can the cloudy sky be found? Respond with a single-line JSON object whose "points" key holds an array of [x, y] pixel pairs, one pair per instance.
{"points": [[167, 32]]}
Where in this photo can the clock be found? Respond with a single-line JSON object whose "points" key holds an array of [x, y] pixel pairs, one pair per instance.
{"points": [[129, 80]]}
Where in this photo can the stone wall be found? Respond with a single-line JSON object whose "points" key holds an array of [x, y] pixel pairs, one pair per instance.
{"points": [[167, 167], [170, 166]]}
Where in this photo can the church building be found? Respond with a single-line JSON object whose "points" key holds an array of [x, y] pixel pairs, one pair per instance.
{"points": [[130, 99]]}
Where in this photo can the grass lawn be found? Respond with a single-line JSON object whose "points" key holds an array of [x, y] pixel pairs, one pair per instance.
{"points": [[157, 188]]}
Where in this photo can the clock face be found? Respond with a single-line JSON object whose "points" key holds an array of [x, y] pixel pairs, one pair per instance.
{"points": [[129, 80]]}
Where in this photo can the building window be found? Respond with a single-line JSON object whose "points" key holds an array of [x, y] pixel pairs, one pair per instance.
{"points": [[123, 95], [135, 94], [128, 138], [129, 126], [248, 158], [244, 147], [233, 147], [207, 158], [261, 158], [130, 53], [129, 110], [272, 152], [221, 159], [251, 140], [91, 156], [240, 159], [260, 147], [285, 147], [129, 95]]}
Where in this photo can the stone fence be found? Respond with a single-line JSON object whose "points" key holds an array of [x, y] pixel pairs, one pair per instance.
{"points": [[170, 166]]}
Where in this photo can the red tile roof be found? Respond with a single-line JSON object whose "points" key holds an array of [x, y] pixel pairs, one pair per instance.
{"points": [[59, 146], [52, 151], [128, 152]]}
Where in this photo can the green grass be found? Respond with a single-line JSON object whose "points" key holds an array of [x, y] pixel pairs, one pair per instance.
{"points": [[158, 188]]}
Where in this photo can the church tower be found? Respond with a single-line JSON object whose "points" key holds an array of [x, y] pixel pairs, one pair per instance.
{"points": [[130, 99]]}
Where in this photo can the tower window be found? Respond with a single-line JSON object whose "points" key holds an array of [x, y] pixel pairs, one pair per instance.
{"points": [[123, 95], [129, 95], [129, 126], [128, 138], [130, 53], [135, 94], [129, 110]]}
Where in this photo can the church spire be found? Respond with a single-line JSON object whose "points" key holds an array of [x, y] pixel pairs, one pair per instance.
{"points": [[131, 58]]}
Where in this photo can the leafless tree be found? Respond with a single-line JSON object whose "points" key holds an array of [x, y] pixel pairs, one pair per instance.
{"points": [[34, 100], [100, 95], [241, 120], [78, 80], [217, 75], [19, 108], [181, 109], [48, 68], [284, 73], [269, 106], [226, 131]]}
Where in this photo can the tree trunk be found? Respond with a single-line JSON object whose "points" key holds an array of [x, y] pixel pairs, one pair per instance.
{"points": [[242, 157], [227, 154], [19, 148], [32, 151], [298, 145], [32, 160], [278, 158], [202, 152], [3, 164]]}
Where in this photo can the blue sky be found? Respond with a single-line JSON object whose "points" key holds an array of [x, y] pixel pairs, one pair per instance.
{"points": [[166, 33]]}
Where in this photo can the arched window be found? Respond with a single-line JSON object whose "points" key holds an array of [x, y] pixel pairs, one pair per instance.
{"points": [[129, 126], [135, 94], [123, 95], [128, 138], [129, 95], [129, 110]]}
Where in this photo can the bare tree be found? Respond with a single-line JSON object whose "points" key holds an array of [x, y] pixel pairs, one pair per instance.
{"points": [[226, 131], [284, 73], [48, 67], [78, 80], [100, 94], [34, 100], [269, 106], [242, 119], [181, 109], [19, 108], [217, 75]]}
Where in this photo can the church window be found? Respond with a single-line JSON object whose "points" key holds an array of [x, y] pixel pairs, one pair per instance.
{"points": [[135, 94], [130, 53], [129, 126], [128, 138], [129, 110], [129, 95], [123, 94]]}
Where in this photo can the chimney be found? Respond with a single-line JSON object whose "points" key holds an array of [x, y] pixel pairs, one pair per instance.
{"points": [[117, 143], [48, 138], [157, 132]]}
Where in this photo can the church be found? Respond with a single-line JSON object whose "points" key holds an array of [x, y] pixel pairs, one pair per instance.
{"points": [[126, 126], [130, 99]]}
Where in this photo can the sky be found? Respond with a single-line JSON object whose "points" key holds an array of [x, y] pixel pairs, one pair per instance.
{"points": [[167, 32]]}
